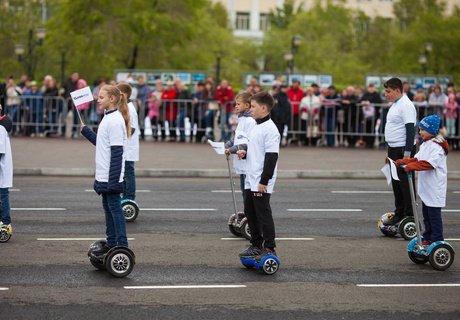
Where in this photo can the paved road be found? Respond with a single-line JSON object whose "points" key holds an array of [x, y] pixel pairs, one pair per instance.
{"points": [[318, 278]]}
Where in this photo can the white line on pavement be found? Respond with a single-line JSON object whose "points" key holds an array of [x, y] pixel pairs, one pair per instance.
{"points": [[73, 239], [15, 190], [39, 209], [225, 191], [178, 209], [452, 239], [396, 285], [456, 192], [450, 210], [4, 289], [277, 239], [325, 210], [139, 190], [359, 191], [187, 287]]}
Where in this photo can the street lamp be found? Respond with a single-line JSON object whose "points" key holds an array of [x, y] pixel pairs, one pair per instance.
{"points": [[30, 59], [296, 40], [219, 54], [423, 61]]}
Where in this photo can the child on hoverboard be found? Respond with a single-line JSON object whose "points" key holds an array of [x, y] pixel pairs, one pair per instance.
{"points": [[6, 177]]}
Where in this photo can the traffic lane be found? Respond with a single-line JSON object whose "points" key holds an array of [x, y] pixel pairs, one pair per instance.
{"points": [[84, 214], [315, 276]]}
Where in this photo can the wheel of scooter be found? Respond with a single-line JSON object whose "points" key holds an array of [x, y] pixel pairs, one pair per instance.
{"points": [[231, 226], [5, 236], [417, 258], [441, 257], [119, 262], [244, 229], [407, 228], [130, 210], [269, 265]]}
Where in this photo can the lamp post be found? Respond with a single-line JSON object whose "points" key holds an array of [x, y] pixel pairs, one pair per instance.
{"points": [[296, 40], [423, 59], [29, 59], [219, 54], [63, 52]]}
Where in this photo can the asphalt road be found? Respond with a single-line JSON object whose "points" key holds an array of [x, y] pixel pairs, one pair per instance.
{"points": [[181, 238]]}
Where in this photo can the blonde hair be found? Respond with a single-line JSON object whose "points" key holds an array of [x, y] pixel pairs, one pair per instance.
{"points": [[121, 104]]}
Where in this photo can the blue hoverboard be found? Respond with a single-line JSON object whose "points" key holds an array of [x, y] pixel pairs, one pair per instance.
{"points": [[269, 264], [118, 261], [130, 209], [440, 254]]}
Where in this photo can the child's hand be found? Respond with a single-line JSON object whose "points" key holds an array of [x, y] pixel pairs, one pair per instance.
{"points": [[227, 151], [262, 188], [241, 154]]}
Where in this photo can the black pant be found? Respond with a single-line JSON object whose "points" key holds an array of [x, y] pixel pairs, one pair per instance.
{"points": [[401, 189], [257, 209]]}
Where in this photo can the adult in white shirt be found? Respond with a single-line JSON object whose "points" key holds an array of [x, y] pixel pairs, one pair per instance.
{"points": [[400, 137]]}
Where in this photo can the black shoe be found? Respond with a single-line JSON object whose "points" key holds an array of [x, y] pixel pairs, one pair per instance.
{"points": [[393, 220], [251, 251], [101, 251], [265, 252]]}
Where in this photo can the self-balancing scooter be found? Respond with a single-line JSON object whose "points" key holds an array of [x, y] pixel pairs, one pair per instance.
{"points": [[440, 254], [237, 223], [5, 233], [118, 261], [268, 264], [406, 227], [130, 209]]}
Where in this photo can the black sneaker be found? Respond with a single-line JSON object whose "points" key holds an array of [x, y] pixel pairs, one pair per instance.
{"points": [[101, 251], [251, 251], [265, 252], [392, 221]]}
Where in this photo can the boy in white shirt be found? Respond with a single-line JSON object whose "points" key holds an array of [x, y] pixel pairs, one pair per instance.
{"points": [[261, 164], [430, 161], [6, 172]]}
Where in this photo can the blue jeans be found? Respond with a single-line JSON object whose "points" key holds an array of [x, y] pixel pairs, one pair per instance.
{"points": [[5, 205], [114, 220], [433, 223], [129, 183]]}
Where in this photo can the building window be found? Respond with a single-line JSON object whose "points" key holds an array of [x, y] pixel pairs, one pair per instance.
{"points": [[264, 22], [242, 21]]}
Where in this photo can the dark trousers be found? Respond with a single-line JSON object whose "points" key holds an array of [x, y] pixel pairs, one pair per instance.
{"points": [[401, 191], [129, 182], [259, 213], [433, 223]]}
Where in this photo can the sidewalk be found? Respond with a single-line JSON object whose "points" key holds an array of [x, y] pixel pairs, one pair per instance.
{"points": [[75, 157]]}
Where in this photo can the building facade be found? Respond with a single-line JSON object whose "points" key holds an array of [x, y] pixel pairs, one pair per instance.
{"points": [[249, 18]]}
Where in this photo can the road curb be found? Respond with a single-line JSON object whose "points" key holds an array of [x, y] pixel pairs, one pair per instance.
{"points": [[214, 173]]}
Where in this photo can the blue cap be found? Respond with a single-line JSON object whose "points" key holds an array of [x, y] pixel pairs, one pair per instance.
{"points": [[430, 124], [418, 86]]}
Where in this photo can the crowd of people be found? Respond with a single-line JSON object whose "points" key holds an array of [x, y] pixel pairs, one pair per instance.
{"points": [[171, 111]]}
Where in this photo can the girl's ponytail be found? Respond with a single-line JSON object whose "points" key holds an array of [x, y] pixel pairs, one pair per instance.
{"points": [[123, 108]]}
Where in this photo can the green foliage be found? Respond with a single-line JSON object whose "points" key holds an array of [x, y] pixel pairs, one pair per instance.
{"points": [[100, 36]]}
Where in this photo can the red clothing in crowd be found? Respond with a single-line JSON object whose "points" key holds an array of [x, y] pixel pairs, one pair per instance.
{"points": [[225, 97], [295, 96], [171, 107]]}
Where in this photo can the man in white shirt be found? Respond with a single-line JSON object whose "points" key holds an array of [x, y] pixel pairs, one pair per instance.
{"points": [[400, 137]]}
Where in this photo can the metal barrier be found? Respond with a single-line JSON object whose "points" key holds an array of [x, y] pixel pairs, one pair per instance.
{"points": [[329, 123]]}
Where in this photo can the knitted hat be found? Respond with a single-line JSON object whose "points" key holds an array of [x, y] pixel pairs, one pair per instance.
{"points": [[430, 124]]}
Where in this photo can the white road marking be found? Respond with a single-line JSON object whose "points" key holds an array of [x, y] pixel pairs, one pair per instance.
{"points": [[140, 191], [74, 239], [450, 210], [178, 209], [359, 191], [277, 239], [231, 286], [452, 239], [39, 209], [325, 210], [4, 289], [397, 285], [456, 192], [15, 190], [225, 191]]}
